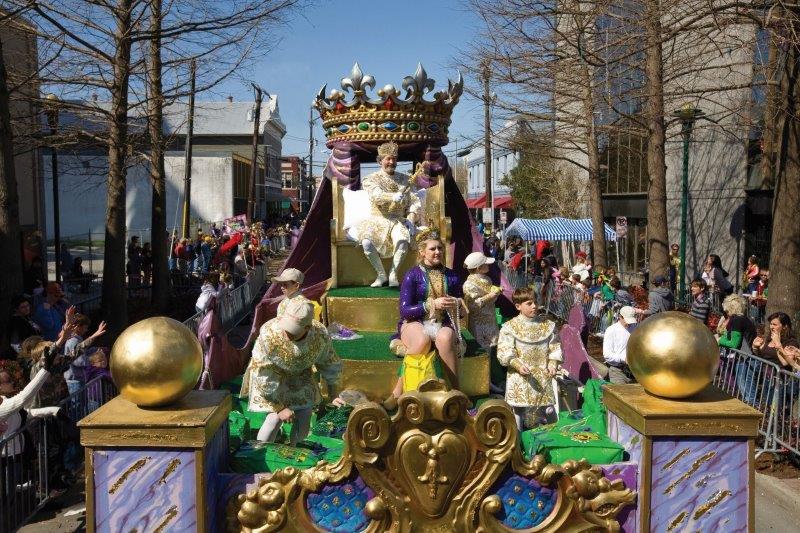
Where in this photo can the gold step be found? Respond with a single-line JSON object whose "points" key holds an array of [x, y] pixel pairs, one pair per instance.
{"points": [[380, 313]]}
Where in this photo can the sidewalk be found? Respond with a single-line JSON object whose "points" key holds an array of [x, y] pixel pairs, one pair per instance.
{"points": [[777, 503]]}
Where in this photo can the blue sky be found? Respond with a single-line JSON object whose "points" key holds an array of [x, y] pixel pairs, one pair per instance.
{"points": [[387, 38]]}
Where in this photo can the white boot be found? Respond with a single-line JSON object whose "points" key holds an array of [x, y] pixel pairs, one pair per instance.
{"points": [[396, 260], [377, 264]]}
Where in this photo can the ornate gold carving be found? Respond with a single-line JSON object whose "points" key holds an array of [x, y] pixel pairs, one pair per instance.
{"points": [[431, 466]]}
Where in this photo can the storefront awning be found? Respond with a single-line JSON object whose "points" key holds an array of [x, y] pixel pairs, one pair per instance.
{"points": [[500, 202]]}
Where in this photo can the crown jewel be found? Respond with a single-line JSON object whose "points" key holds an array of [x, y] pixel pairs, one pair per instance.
{"points": [[391, 116]]}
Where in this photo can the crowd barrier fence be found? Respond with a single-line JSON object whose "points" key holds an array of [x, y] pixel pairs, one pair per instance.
{"points": [[34, 454]]}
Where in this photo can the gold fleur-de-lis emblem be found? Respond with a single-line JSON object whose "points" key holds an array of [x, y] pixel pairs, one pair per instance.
{"points": [[431, 476]]}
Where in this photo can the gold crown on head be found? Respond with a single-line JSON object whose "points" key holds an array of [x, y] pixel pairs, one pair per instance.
{"points": [[387, 149], [426, 234], [391, 116]]}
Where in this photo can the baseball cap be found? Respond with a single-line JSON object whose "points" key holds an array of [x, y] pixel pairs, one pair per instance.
{"points": [[580, 253], [297, 317], [628, 314], [290, 274], [659, 280], [476, 259]]}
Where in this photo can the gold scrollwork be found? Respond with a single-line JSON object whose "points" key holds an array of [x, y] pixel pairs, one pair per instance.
{"points": [[431, 466]]}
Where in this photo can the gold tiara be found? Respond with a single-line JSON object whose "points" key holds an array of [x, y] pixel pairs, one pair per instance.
{"points": [[426, 234]]}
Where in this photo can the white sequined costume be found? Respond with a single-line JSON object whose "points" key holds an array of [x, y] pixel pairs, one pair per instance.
{"points": [[479, 295]]}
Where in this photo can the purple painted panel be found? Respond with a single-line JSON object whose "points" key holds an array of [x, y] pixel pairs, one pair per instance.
{"points": [[216, 459], [629, 438], [629, 474], [699, 485], [576, 360], [144, 489]]}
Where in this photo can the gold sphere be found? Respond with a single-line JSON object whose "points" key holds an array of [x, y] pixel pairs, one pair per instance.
{"points": [[156, 362], [673, 355]]}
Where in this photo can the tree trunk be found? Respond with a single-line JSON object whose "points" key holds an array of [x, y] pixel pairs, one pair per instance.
{"points": [[599, 256], [158, 223], [657, 236], [114, 292], [10, 253], [784, 289]]}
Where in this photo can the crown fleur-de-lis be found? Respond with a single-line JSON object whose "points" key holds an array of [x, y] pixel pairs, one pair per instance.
{"points": [[418, 84], [358, 82]]}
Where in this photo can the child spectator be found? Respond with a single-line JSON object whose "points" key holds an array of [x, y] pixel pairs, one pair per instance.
{"points": [[701, 303], [529, 346], [76, 350], [752, 274]]}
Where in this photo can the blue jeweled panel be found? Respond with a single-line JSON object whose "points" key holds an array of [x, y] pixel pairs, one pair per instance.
{"points": [[526, 503], [340, 508]]}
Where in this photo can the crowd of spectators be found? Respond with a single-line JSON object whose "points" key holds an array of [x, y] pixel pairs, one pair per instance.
{"points": [[51, 354]]}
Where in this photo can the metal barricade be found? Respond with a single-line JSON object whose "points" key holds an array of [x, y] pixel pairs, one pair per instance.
{"points": [[28, 456], [787, 411], [756, 382], [24, 481]]}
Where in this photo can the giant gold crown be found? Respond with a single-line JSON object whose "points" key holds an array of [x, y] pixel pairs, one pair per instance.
{"points": [[391, 116]]}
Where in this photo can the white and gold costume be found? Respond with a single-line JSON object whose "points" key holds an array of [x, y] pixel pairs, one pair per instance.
{"points": [[479, 295], [280, 372], [534, 342], [295, 296], [388, 223]]}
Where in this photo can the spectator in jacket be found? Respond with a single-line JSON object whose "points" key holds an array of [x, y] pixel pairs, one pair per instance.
{"points": [[51, 313], [21, 324], [660, 298], [715, 276]]}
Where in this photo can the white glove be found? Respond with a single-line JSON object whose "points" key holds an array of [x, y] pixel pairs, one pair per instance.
{"points": [[398, 197]]}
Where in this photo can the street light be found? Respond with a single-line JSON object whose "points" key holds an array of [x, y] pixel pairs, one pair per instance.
{"points": [[52, 122], [688, 115]]}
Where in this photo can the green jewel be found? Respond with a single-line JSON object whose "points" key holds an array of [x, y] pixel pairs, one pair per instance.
{"points": [[363, 126], [412, 126]]}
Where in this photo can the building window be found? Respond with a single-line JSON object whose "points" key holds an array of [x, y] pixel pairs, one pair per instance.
{"points": [[288, 180]]}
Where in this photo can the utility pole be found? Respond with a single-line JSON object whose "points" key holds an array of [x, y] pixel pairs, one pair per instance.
{"points": [[52, 121], [251, 190], [487, 144], [310, 158], [187, 173]]}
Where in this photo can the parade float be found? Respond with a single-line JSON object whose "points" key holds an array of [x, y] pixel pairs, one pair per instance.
{"points": [[671, 454]]}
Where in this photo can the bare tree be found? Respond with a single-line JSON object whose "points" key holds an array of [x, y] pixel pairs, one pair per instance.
{"points": [[10, 258], [783, 157], [109, 48]]}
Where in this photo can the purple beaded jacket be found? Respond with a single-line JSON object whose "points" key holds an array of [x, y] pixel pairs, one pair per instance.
{"points": [[414, 293]]}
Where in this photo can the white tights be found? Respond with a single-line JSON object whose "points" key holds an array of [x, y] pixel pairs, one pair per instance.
{"points": [[300, 428]]}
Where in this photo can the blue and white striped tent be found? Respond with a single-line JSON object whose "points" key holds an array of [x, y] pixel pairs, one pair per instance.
{"points": [[556, 229]]}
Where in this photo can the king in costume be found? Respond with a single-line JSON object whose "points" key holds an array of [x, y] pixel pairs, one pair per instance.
{"points": [[395, 207]]}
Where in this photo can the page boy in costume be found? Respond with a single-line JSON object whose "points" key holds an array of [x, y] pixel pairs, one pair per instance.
{"points": [[395, 207], [279, 379], [529, 346], [290, 281], [480, 296]]}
